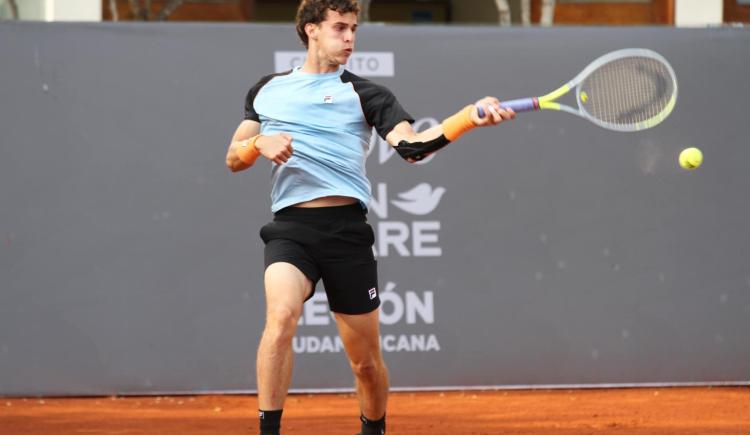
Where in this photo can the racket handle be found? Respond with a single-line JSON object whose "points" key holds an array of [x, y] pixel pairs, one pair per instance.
{"points": [[520, 105]]}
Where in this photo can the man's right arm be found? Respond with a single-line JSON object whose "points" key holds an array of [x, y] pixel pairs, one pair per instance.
{"points": [[277, 148]]}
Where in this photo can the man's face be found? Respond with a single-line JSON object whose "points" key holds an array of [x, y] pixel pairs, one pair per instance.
{"points": [[335, 36]]}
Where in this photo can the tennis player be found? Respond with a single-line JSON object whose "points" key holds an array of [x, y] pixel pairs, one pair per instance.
{"points": [[314, 124]]}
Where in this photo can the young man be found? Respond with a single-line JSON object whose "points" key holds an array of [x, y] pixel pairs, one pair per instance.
{"points": [[314, 123]]}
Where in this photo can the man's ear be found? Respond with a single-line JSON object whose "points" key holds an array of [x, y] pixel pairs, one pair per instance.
{"points": [[312, 31]]}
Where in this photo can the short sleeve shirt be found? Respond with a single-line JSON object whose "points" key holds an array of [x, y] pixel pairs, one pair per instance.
{"points": [[330, 118]]}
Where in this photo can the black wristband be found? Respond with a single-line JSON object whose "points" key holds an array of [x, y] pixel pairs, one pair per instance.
{"points": [[416, 151]]}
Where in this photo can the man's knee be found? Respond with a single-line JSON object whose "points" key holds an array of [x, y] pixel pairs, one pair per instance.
{"points": [[368, 370], [281, 324]]}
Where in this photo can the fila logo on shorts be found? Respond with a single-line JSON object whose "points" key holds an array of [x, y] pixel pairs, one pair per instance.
{"points": [[373, 293]]}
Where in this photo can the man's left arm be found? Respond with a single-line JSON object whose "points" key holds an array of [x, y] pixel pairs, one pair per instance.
{"points": [[414, 146]]}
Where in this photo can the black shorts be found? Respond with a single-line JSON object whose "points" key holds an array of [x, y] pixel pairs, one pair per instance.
{"points": [[329, 243]]}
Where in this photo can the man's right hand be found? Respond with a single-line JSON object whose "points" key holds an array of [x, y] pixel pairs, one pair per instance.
{"points": [[277, 148]]}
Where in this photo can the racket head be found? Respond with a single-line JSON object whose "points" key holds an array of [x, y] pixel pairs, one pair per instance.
{"points": [[627, 90]]}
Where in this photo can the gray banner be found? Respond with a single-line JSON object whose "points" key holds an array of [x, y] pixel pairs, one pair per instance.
{"points": [[546, 251]]}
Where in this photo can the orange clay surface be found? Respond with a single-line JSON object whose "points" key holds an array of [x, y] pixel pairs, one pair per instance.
{"points": [[684, 411]]}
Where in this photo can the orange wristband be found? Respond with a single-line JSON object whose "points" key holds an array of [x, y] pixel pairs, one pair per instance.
{"points": [[247, 151], [458, 124]]}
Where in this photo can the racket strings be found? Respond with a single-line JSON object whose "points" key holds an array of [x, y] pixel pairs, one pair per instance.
{"points": [[627, 91]]}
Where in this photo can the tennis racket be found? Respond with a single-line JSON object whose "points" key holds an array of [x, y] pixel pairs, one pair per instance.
{"points": [[625, 90]]}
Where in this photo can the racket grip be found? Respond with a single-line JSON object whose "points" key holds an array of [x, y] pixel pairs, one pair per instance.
{"points": [[519, 105]]}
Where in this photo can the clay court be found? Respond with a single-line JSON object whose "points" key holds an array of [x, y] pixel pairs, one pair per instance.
{"points": [[578, 269], [643, 411]]}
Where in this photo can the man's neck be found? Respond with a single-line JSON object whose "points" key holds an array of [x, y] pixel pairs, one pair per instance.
{"points": [[316, 64]]}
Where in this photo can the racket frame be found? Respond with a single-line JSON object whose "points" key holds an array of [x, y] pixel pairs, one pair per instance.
{"points": [[548, 101]]}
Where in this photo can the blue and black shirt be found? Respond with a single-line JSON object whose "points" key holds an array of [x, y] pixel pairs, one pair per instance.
{"points": [[330, 118]]}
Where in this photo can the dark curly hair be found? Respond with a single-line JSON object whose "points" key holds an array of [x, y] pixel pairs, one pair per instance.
{"points": [[314, 11]]}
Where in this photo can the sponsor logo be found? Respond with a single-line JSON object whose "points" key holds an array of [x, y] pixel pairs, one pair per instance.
{"points": [[409, 308], [420, 200], [365, 63], [328, 99], [373, 293], [312, 344]]}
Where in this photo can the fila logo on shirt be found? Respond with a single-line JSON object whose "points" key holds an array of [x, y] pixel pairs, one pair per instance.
{"points": [[373, 293], [328, 99]]}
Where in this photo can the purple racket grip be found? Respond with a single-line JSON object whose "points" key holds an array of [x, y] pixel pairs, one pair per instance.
{"points": [[520, 105]]}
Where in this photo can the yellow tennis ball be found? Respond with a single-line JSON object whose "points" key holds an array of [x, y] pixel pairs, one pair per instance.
{"points": [[691, 158]]}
